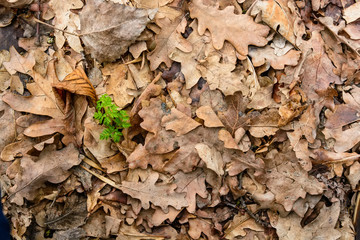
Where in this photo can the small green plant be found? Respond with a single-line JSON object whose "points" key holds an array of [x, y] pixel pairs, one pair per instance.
{"points": [[111, 117]]}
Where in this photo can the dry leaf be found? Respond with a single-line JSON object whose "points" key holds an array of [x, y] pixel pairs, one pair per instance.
{"points": [[223, 25], [190, 60], [277, 14], [51, 166], [261, 55], [78, 83], [108, 29], [162, 195], [351, 13], [288, 181], [167, 40], [211, 157], [221, 75], [178, 122], [234, 117], [322, 227], [118, 83], [19, 63]]}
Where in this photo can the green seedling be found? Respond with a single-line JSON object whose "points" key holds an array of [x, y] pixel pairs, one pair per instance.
{"points": [[109, 115]]}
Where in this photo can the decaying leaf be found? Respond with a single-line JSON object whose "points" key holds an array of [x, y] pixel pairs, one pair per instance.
{"points": [[50, 166], [105, 34]]}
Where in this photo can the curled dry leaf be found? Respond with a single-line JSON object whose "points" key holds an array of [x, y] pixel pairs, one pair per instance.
{"points": [[278, 16], [108, 28], [78, 83], [224, 25], [162, 195]]}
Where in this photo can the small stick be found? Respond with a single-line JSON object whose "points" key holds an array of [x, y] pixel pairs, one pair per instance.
{"points": [[37, 24], [49, 25]]}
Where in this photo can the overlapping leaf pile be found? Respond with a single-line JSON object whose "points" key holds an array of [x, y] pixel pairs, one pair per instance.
{"points": [[244, 120]]}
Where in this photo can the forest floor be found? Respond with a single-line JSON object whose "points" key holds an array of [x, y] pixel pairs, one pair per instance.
{"points": [[175, 119]]}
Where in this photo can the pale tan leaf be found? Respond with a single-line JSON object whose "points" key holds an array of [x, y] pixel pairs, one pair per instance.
{"points": [[162, 195], [178, 122], [224, 25], [19, 63], [211, 157], [210, 118]]}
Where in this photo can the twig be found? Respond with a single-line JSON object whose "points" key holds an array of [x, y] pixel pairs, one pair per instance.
{"points": [[49, 25], [243, 206], [37, 24]]}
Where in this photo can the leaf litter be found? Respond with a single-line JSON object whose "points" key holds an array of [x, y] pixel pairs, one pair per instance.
{"points": [[244, 119]]}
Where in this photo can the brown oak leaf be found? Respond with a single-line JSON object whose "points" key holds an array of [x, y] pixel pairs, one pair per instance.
{"points": [[162, 195], [224, 25]]}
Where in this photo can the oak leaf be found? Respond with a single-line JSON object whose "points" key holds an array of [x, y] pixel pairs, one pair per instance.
{"points": [[167, 40], [221, 75], [192, 184], [162, 195], [288, 181], [224, 25], [50, 166], [323, 227], [277, 14], [318, 68], [190, 60], [261, 55]]}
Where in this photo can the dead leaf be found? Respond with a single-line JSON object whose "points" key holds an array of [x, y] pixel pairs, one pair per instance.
{"points": [[221, 75], [261, 55], [322, 227], [108, 36], [167, 40], [178, 122], [162, 195], [7, 125], [288, 181], [351, 13], [234, 117], [223, 25], [190, 60], [78, 83], [277, 14], [51, 166], [211, 157], [19, 63]]}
